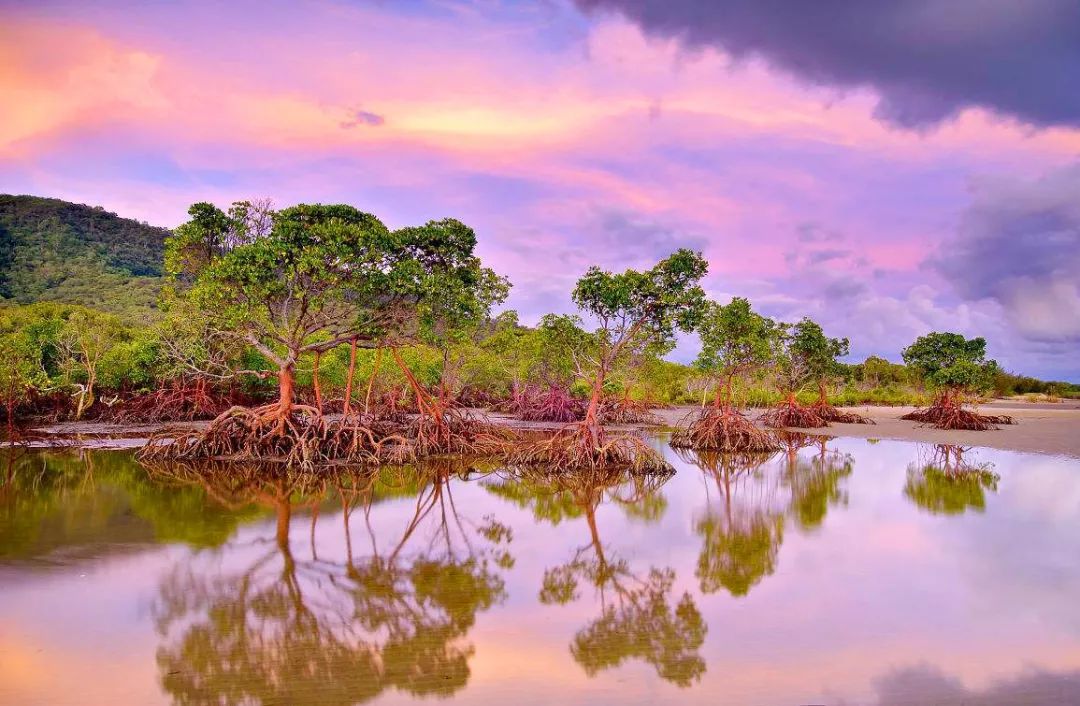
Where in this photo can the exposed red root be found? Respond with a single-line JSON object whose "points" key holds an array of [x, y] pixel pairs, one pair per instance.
{"points": [[533, 404], [476, 398], [947, 413], [624, 410], [792, 414], [584, 447], [303, 437], [455, 431], [828, 413], [180, 400], [722, 429]]}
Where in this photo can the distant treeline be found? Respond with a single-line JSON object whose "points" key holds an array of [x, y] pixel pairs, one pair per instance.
{"points": [[82, 334]]}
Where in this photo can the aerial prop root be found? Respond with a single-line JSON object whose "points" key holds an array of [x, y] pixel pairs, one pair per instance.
{"points": [[582, 447], [947, 413], [624, 410], [722, 429], [792, 414], [456, 431], [300, 436], [828, 413]]}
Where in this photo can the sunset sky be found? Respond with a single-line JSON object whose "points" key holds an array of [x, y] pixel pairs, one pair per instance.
{"points": [[886, 168]]}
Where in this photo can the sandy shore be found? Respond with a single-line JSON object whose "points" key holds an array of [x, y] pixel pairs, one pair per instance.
{"points": [[1040, 428]]}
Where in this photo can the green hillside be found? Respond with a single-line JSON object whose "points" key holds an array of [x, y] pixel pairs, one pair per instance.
{"points": [[53, 250]]}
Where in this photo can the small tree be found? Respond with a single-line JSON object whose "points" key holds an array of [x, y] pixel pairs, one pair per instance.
{"points": [[735, 341], [821, 355], [956, 367], [634, 311], [84, 340], [322, 276], [951, 363], [638, 311], [20, 373], [307, 279], [798, 354]]}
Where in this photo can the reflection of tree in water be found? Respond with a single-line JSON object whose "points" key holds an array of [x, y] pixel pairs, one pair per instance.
{"points": [[287, 629], [944, 482], [637, 619], [743, 529], [817, 483], [95, 502], [741, 535]]}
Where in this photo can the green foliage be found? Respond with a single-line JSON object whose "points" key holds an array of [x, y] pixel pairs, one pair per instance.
{"points": [[52, 250], [637, 314], [877, 371], [645, 306], [802, 353], [734, 340], [948, 360], [311, 277], [941, 492]]}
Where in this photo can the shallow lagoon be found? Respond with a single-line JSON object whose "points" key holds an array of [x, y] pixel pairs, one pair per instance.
{"points": [[845, 573]]}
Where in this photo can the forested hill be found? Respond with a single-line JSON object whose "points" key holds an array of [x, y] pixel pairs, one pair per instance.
{"points": [[53, 250]]}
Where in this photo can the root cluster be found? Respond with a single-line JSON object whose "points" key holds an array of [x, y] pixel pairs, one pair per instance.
{"points": [[627, 411], [792, 414], [555, 404], [581, 447], [456, 432], [176, 401], [949, 414], [303, 438], [722, 429], [828, 413]]}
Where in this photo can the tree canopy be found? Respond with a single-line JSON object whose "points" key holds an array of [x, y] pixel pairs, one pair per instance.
{"points": [[948, 360], [639, 311], [734, 340], [311, 277]]}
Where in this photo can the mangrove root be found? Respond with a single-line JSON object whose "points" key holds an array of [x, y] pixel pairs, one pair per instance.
{"points": [[722, 429], [585, 447], [627, 411], [792, 414], [947, 413], [302, 437], [828, 413]]}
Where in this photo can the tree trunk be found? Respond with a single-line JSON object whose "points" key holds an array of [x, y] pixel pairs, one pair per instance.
{"points": [[315, 381], [284, 517], [349, 379], [592, 414], [823, 397], [371, 381], [286, 389]]}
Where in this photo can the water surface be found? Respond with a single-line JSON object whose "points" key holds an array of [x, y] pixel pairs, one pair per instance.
{"points": [[844, 572]]}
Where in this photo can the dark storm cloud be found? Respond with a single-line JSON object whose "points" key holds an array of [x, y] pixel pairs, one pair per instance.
{"points": [[1019, 244], [927, 59]]}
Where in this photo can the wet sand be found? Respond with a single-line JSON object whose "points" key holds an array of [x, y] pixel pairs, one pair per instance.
{"points": [[1040, 428], [1049, 428]]}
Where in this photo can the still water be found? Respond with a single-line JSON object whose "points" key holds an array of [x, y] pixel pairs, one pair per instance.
{"points": [[844, 572]]}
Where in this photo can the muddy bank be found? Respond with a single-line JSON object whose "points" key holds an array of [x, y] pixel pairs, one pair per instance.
{"points": [[1050, 428], [1041, 428]]}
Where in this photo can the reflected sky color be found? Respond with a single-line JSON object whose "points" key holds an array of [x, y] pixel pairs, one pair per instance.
{"points": [[567, 138], [497, 589]]}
